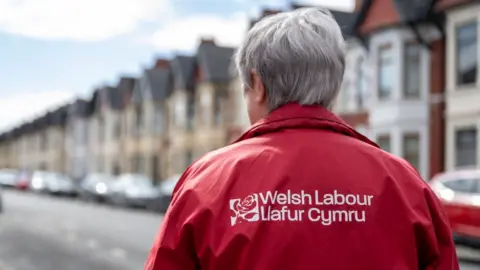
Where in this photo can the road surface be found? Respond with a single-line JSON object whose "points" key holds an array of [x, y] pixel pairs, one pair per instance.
{"points": [[45, 233]]}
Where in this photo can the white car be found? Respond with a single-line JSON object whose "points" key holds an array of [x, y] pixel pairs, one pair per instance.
{"points": [[8, 177]]}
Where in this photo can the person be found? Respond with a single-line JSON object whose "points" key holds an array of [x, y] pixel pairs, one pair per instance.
{"points": [[300, 189]]}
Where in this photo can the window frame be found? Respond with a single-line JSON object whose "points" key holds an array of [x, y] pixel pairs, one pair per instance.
{"points": [[406, 93], [217, 108], [385, 49], [470, 147], [383, 137], [471, 190], [457, 27], [406, 155], [360, 83]]}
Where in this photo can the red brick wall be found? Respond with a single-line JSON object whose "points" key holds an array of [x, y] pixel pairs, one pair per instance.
{"points": [[437, 107], [381, 13]]}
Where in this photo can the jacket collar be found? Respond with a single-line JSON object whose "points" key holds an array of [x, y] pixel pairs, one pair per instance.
{"points": [[293, 115]]}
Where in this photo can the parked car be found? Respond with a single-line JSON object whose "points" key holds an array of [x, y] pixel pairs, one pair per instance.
{"points": [[460, 193], [23, 180], [132, 190], [96, 187], [59, 184], [8, 178], [162, 201], [38, 181]]}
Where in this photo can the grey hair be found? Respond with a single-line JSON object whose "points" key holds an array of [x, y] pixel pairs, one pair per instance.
{"points": [[299, 56]]}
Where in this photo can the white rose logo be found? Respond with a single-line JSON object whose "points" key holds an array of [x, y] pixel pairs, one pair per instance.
{"points": [[244, 211]]}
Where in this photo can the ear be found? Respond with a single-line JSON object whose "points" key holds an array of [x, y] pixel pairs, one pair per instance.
{"points": [[258, 89]]}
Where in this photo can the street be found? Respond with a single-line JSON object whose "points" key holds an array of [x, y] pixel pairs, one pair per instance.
{"points": [[45, 233]]}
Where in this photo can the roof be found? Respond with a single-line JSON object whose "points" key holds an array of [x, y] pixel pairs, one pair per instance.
{"points": [[409, 11], [413, 10], [183, 68], [80, 108], [214, 61], [105, 96], [125, 87], [346, 20], [155, 83], [59, 116], [113, 98]]}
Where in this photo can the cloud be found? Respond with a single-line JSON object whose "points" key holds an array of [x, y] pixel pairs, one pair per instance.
{"points": [[183, 34], [83, 20], [17, 108], [336, 4]]}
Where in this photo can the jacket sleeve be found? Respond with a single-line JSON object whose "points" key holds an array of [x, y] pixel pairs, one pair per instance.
{"points": [[173, 248], [435, 246]]}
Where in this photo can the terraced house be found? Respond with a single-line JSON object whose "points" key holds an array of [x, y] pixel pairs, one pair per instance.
{"points": [[181, 114], [462, 83], [76, 139], [150, 120], [405, 45], [212, 83], [104, 131]]}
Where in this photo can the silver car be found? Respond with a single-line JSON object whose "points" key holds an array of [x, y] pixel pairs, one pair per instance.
{"points": [[133, 190], [8, 178], [53, 183]]}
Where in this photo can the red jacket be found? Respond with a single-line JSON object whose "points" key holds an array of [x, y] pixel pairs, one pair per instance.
{"points": [[303, 190]]}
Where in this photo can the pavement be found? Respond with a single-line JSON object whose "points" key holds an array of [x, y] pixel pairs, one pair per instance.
{"points": [[49, 233]]}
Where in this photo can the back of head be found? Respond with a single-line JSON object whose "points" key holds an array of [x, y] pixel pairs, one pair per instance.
{"points": [[299, 55]]}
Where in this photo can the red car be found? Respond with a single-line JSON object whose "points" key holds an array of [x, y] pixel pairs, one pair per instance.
{"points": [[460, 194], [23, 181]]}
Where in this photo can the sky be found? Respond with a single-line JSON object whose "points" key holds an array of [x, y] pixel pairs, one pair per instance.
{"points": [[52, 52]]}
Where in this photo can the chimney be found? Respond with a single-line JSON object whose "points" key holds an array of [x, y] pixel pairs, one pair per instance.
{"points": [[268, 12], [207, 41], [358, 5], [162, 63]]}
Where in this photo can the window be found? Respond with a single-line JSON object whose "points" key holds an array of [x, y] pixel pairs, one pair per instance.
{"points": [[190, 110], [158, 120], [466, 147], [138, 120], [101, 129], [205, 107], [477, 186], [137, 164], [384, 142], [412, 72], [116, 169], [361, 83], [385, 73], [117, 129], [461, 185], [43, 141], [467, 62], [217, 109], [411, 149]]}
